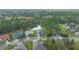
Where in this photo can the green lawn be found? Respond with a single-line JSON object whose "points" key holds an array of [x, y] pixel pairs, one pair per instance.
{"points": [[76, 46], [50, 45], [9, 47], [28, 45]]}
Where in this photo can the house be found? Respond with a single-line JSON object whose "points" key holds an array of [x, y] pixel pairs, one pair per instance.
{"points": [[15, 35], [28, 33], [77, 32], [66, 26], [5, 37], [70, 26], [38, 30], [57, 36]]}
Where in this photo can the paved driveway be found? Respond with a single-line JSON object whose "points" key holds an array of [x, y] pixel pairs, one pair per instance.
{"points": [[20, 46], [38, 46]]}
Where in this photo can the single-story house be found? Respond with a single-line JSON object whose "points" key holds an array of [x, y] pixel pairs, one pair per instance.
{"points": [[28, 33], [70, 26], [5, 37], [77, 31], [57, 36]]}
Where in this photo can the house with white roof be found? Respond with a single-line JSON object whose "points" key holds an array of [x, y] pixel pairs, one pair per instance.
{"points": [[38, 29]]}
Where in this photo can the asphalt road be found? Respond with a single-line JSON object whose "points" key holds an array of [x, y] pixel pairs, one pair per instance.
{"points": [[38, 46], [20, 46]]}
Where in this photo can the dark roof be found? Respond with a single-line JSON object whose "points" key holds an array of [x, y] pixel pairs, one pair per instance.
{"points": [[77, 28]]}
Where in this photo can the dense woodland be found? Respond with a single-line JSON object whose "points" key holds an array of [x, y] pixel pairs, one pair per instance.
{"points": [[13, 20]]}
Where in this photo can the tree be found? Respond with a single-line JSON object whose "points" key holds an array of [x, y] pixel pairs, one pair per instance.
{"points": [[71, 44], [53, 41]]}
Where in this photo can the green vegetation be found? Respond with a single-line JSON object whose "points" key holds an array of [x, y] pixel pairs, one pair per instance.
{"points": [[49, 20], [53, 44], [76, 46], [9, 47], [60, 44], [28, 45], [52, 22]]}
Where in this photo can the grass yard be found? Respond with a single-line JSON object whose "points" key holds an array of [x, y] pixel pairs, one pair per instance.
{"points": [[76, 46], [9, 47], [53, 45], [28, 45]]}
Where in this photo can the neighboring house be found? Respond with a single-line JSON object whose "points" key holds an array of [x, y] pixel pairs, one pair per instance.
{"points": [[4, 37], [8, 17], [28, 33], [38, 29], [66, 26], [70, 26], [57, 36], [15, 35], [77, 31]]}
